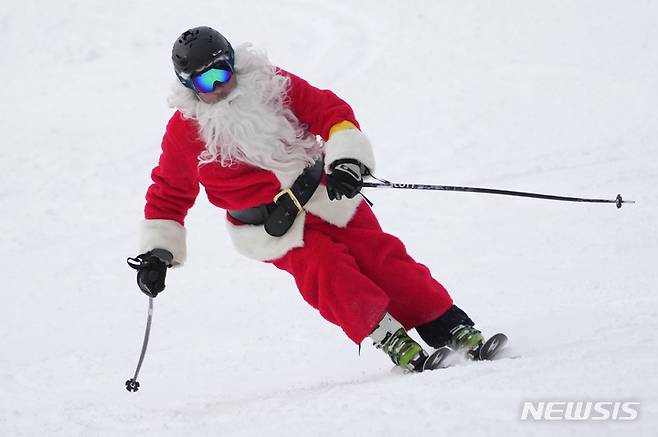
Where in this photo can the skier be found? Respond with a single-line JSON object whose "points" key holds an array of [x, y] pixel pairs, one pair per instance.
{"points": [[248, 132]]}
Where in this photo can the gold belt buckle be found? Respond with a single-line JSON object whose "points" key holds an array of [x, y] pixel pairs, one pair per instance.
{"points": [[296, 201]]}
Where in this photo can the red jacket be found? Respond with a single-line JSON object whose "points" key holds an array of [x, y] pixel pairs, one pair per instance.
{"points": [[177, 176]]}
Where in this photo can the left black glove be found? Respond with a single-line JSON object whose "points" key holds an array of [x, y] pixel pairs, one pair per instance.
{"points": [[345, 178], [151, 270]]}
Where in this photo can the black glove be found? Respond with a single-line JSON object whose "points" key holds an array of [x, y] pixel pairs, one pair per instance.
{"points": [[151, 270], [345, 179]]}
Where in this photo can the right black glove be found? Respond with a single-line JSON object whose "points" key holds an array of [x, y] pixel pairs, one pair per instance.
{"points": [[151, 270], [345, 179]]}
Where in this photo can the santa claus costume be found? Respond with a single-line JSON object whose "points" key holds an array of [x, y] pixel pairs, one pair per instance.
{"points": [[253, 145]]}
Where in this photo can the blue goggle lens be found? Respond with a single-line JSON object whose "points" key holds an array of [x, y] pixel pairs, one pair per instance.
{"points": [[206, 81]]}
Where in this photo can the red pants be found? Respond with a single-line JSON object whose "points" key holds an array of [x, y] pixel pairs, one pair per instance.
{"points": [[353, 275]]}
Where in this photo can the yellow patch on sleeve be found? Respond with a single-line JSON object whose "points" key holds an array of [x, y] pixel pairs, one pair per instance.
{"points": [[343, 125]]}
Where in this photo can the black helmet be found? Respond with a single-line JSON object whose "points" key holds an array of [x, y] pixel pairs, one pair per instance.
{"points": [[197, 49]]}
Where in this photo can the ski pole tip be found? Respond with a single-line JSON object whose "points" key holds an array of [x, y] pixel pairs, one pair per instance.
{"points": [[619, 201], [132, 385]]}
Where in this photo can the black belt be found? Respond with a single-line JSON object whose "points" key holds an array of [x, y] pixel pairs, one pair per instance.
{"points": [[279, 215]]}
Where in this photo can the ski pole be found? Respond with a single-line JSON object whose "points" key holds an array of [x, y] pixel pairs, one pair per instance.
{"points": [[386, 184], [132, 385]]}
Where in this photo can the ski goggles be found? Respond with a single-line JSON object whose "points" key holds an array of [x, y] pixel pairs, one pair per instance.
{"points": [[208, 80]]}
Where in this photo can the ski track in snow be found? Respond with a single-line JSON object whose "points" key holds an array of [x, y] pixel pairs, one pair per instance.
{"points": [[557, 98]]}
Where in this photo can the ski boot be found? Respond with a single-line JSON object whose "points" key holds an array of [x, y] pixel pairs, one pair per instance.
{"points": [[466, 339], [391, 337], [470, 340], [453, 336]]}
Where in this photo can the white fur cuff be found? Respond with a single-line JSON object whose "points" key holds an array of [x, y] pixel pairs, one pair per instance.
{"points": [[164, 234], [253, 242], [346, 144]]}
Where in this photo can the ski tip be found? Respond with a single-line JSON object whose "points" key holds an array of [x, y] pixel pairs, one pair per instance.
{"points": [[440, 359], [493, 346]]}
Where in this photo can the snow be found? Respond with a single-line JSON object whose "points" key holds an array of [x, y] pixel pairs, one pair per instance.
{"points": [[555, 97]]}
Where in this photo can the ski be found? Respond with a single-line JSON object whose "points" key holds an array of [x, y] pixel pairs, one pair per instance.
{"points": [[445, 357], [440, 359], [491, 348]]}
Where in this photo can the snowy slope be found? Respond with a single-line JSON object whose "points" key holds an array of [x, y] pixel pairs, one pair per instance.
{"points": [[558, 97]]}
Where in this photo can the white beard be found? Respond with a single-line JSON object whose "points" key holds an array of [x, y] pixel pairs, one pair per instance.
{"points": [[252, 125]]}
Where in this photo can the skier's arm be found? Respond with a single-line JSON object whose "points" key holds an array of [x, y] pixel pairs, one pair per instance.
{"points": [[327, 115], [173, 192]]}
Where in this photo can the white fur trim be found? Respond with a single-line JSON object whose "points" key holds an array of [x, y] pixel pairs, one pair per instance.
{"points": [[253, 242], [164, 234], [346, 144], [337, 212], [287, 178]]}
